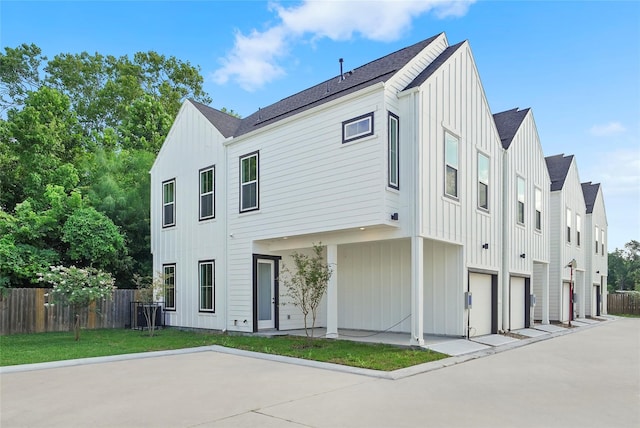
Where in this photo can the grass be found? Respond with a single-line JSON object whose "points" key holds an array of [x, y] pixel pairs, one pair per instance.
{"points": [[627, 315], [45, 347]]}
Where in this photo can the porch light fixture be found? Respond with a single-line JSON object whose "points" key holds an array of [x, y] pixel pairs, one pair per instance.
{"points": [[485, 246], [597, 271], [394, 216]]}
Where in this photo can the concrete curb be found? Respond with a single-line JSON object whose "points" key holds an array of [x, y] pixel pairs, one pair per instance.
{"points": [[393, 375]]}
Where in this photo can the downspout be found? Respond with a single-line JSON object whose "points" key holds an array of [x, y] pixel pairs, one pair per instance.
{"points": [[417, 209], [506, 233], [226, 239]]}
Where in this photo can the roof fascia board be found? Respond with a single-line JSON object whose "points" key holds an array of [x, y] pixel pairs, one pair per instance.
{"points": [[330, 104]]}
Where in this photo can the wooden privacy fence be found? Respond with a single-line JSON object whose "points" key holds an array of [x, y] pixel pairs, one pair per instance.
{"points": [[23, 310], [623, 303]]}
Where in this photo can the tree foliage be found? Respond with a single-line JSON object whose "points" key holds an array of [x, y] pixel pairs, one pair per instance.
{"points": [[307, 283], [624, 267]]}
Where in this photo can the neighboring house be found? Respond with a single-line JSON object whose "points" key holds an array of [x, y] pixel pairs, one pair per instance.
{"points": [[526, 227], [568, 212], [595, 298], [395, 166]]}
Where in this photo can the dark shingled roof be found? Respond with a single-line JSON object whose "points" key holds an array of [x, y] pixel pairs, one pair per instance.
{"points": [[590, 192], [558, 166], [431, 68], [508, 122], [225, 123], [379, 70]]}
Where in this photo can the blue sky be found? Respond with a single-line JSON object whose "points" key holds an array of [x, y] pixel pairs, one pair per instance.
{"points": [[576, 64]]}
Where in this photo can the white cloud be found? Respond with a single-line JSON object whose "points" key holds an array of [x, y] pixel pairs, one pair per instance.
{"points": [[253, 61], [607, 130]]}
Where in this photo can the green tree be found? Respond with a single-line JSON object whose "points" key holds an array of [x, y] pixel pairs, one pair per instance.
{"points": [[19, 74], [78, 288], [307, 283], [624, 267]]}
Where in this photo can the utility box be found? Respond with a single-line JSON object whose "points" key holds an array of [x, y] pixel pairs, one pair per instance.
{"points": [[138, 318]]}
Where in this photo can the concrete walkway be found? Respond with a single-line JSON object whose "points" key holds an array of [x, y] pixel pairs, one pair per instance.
{"points": [[588, 376]]}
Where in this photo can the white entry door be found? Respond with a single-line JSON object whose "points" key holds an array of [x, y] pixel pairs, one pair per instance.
{"points": [[482, 307], [517, 303], [566, 302], [266, 295]]}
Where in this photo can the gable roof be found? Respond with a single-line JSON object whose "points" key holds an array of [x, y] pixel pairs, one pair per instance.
{"points": [[558, 167], [431, 68], [225, 123], [590, 192], [508, 122]]}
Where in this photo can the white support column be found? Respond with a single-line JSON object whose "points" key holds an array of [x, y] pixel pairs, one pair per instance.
{"points": [[417, 291], [332, 292]]}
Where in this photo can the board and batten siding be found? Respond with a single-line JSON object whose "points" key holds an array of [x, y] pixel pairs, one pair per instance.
{"points": [[597, 264], [310, 183], [192, 144]]}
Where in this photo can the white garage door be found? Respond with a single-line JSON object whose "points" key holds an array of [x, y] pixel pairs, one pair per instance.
{"points": [[566, 296], [480, 313], [517, 303]]}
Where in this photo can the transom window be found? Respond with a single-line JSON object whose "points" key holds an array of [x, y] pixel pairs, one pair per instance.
{"points": [[207, 288], [520, 185], [483, 181], [538, 202], [169, 282], [249, 182], [169, 203], [578, 229], [568, 225], [358, 127], [207, 191], [394, 155], [451, 165]]}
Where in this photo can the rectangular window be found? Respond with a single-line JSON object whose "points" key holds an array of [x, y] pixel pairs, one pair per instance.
{"points": [[602, 242], [578, 229], [538, 201], [207, 286], [249, 182], [169, 281], [568, 225], [169, 203], [359, 127], [483, 181], [597, 244], [520, 199], [451, 165], [207, 193], [394, 154]]}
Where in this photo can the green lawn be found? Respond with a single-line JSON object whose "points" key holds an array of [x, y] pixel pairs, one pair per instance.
{"points": [[43, 347]]}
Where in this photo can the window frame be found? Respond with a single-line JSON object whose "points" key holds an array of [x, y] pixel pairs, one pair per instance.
{"points": [[521, 200], [241, 185], [602, 242], [393, 181], [578, 229], [357, 136], [166, 286], [201, 307], [538, 208], [597, 238], [165, 225], [211, 168], [480, 182], [447, 165], [569, 220]]}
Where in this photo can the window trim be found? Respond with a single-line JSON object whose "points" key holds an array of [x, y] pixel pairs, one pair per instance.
{"points": [[164, 285], [578, 229], [602, 241], [211, 168], [201, 263], [165, 204], [456, 168], [537, 196], [257, 181], [520, 179], [369, 132], [479, 180], [569, 221], [597, 239], [390, 181]]}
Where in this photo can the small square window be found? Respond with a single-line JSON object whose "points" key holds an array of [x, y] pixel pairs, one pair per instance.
{"points": [[358, 127]]}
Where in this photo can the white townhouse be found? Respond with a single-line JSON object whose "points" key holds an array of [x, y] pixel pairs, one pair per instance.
{"points": [[526, 227], [595, 297], [395, 166], [568, 241]]}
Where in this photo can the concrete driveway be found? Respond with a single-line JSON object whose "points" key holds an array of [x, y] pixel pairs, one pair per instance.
{"points": [[589, 378]]}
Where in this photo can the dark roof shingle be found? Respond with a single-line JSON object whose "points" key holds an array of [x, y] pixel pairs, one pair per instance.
{"points": [[225, 123], [431, 68], [558, 167], [508, 122], [590, 192]]}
